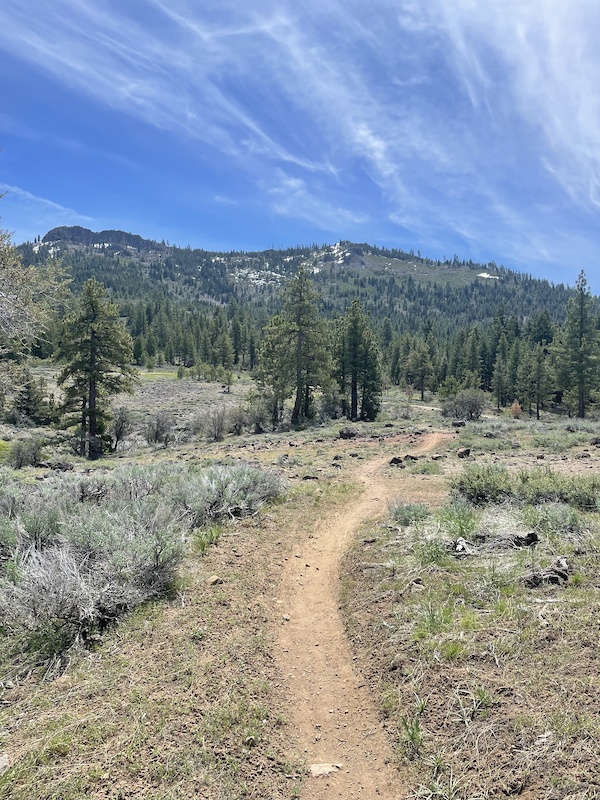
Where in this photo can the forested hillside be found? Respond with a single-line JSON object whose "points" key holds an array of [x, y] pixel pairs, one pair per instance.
{"points": [[415, 293], [437, 325]]}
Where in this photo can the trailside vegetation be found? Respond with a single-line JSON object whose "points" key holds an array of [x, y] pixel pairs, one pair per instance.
{"points": [[300, 316], [77, 552], [96, 352]]}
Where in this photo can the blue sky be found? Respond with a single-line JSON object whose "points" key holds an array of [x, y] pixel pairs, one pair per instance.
{"points": [[446, 126]]}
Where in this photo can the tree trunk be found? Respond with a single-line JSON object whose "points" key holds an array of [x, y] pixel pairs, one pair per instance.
{"points": [[94, 445], [353, 397], [299, 381], [82, 438]]}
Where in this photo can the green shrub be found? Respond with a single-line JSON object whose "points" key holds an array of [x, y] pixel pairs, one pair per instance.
{"points": [[405, 514], [25, 453], [558, 442], [467, 404], [426, 468], [542, 485], [553, 518], [430, 551], [227, 492], [482, 484], [459, 519]]}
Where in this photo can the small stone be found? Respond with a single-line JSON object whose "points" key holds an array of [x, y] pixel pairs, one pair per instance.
{"points": [[395, 664], [214, 580], [463, 452], [4, 765], [322, 770]]}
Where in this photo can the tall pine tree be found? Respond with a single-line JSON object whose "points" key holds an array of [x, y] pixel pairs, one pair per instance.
{"points": [[577, 348], [306, 335], [97, 352], [358, 368]]}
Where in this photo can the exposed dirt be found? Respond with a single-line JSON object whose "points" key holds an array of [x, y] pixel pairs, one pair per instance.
{"points": [[331, 708]]}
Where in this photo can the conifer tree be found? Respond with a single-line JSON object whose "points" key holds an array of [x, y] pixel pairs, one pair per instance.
{"points": [[97, 352], [577, 348], [358, 366], [305, 334], [419, 367], [541, 376], [275, 370], [294, 358]]}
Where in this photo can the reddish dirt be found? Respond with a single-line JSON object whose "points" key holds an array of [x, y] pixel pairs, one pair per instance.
{"points": [[330, 707]]}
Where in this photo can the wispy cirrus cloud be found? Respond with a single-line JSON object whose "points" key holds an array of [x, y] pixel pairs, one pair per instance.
{"points": [[291, 197], [35, 215], [444, 122]]}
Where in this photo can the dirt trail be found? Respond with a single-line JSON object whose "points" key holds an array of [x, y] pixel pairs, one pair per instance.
{"points": [[331, 709]]}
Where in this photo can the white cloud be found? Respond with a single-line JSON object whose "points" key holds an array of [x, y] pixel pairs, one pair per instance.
{"points": [[458, 112], [225, 201], [540, 61], [291, 197], [29, 215]]}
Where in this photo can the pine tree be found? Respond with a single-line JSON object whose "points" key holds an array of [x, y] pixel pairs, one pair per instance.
{"points": [[306, 336], [419, 367], [500, 381], [97, 351], [358, 365], [275, 370], [541, 377], [577, 348], [293, 358]]}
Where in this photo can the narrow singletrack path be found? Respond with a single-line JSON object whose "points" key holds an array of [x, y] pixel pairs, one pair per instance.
{"points": [[330, 708]]}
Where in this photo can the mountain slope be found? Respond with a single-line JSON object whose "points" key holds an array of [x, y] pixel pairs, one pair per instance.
{"points": [[415, 293]]}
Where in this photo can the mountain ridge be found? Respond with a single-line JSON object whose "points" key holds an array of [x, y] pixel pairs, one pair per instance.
{"points": [[413, 292], [76, 234]]}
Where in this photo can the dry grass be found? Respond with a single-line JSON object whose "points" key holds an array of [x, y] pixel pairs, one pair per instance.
{"points": [[176, 703], [182, 699], [488, 688]]}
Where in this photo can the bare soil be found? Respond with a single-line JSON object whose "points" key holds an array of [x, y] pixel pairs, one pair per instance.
{"points": [[331, 710], [236, 690]]}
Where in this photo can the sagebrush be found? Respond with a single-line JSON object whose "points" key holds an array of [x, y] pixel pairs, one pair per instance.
{"points": [[76, 552]]}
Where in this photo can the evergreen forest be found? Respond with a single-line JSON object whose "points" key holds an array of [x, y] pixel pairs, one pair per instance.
{"points": [[329, 327]]}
